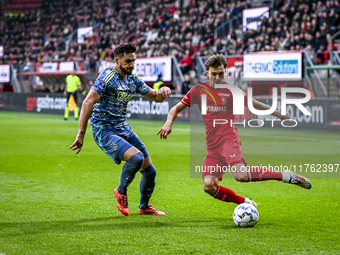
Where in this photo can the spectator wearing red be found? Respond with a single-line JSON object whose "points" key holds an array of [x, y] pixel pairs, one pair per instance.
{"points": [[6, 87], [328, 39], [186, 62]]}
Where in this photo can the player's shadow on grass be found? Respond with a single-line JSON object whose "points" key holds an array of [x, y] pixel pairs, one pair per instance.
{"points": [[115, 223]]}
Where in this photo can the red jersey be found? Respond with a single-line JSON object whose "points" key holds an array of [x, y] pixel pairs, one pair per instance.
{"points": [[219, 107]]}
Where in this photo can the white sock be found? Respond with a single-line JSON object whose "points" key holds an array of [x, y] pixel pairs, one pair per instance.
{"points": [[285, 177], [247, 200]]}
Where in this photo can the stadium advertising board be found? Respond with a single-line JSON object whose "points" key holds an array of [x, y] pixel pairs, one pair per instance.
{"points": [[4, 73], [148, 68], [273, 66], [252, 17], [321, 117], [49, 67], [324, 113], [83, 32], [66, 66], [234, 67]]}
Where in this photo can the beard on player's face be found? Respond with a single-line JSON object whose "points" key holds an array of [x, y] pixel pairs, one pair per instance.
{"points": [[127, 70], [218, 80]]}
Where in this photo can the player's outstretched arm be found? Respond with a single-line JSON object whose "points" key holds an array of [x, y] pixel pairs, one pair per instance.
{"points": [[85, 114], [261, 106], [159, 95], [172, 115]]}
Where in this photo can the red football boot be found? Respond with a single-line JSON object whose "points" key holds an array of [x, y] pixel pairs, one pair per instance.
{"points": [[151, 210], [122, 202]]}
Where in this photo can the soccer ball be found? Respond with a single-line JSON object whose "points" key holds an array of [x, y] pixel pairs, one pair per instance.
{"points": [[245, 215]]}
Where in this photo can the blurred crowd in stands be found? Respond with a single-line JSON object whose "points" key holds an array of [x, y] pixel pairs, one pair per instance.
{"points": [[162, 28]]}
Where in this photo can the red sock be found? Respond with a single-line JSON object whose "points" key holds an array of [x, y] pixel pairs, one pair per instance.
{"points": [[257, 174], [227, 195]]}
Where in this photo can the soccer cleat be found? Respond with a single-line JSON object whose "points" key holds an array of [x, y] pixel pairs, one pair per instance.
{"points": [[299, 180], [151, 210], [122, 202], [252, 202]]}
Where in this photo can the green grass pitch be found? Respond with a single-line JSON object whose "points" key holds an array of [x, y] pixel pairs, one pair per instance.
{"points": [[55, 202]]}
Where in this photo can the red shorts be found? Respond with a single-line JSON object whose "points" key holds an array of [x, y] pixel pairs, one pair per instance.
{"points": [[224, 155]]}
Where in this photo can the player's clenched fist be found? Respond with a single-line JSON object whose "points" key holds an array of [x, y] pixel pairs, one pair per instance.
{"points": [[165, 91], [280, 116]]}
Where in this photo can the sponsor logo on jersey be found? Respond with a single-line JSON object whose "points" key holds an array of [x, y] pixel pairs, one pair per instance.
{"points": [[216, 108], [224, 100], [133, 87], [123, 96], [114, 146]]}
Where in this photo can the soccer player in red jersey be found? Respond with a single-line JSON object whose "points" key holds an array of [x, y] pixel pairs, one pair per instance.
{"points": [[223, 142]]}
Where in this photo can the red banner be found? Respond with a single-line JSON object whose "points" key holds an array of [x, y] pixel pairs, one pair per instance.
{"points": [[234, 66]]}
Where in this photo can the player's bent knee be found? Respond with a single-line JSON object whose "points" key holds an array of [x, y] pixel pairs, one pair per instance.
{"points": [[149, 172], [241, 177], [147, 163], [137, 159], [210, 185], [209, 189]]}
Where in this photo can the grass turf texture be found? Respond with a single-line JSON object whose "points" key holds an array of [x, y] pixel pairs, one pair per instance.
{"points": [[55, 202]]}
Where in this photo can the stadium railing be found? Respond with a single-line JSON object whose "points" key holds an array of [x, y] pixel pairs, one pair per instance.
{"points": [[25, 78], [14, 80], [222, 34], [200, 66], [336, 58], [318, 87], [67, 40], [328, 68], [331, 43], [207, 42], [336, 73], [171, 9], [128, 37], [177, 76]]}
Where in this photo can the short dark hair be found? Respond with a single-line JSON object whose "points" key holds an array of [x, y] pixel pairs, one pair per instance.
{"points": [[123, 48], [216, 61]]}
